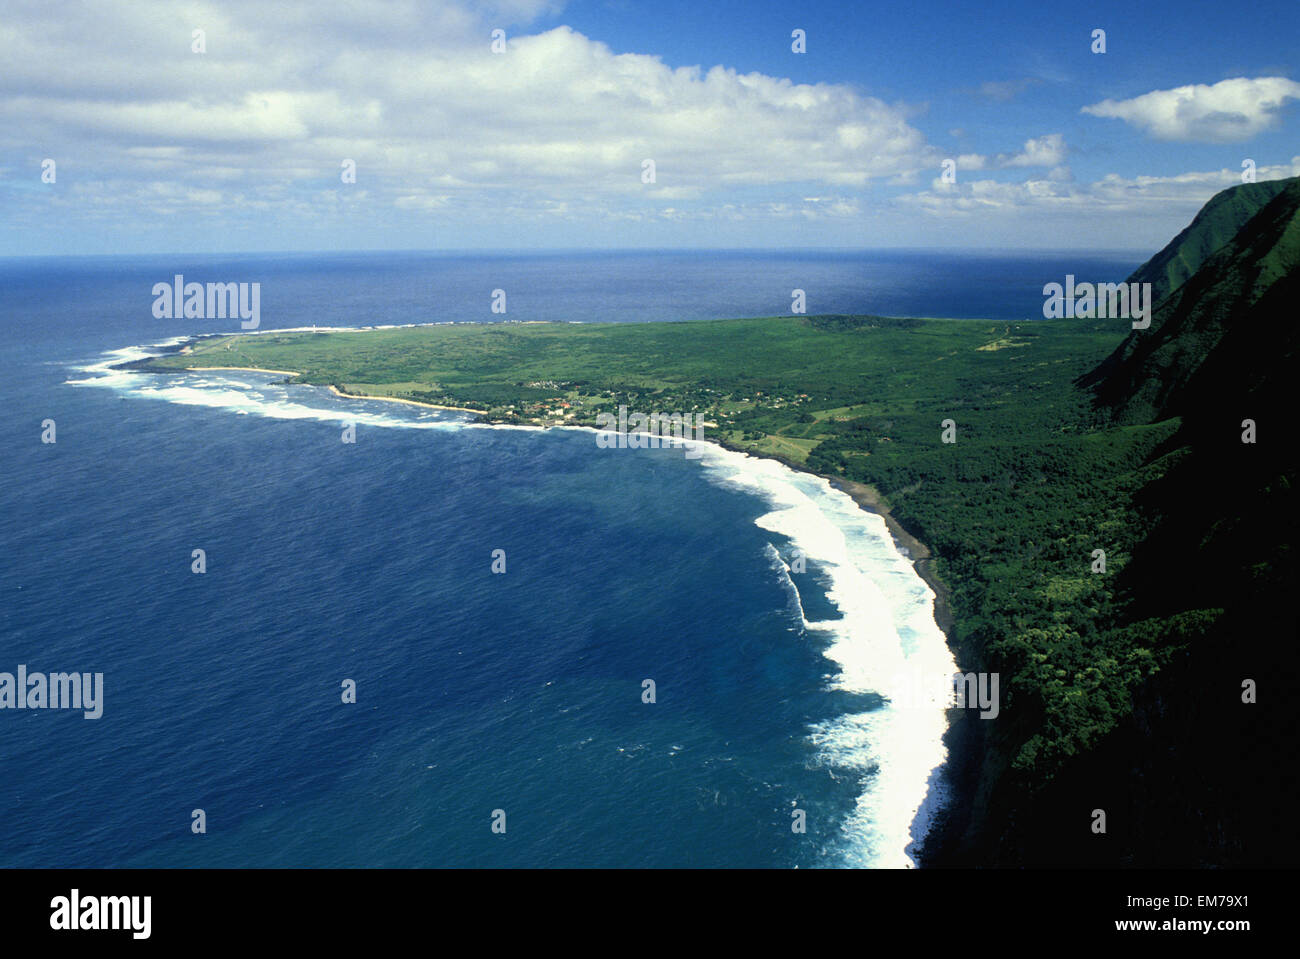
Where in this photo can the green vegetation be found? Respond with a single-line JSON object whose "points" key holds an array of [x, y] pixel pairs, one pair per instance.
{"points": [[1072, 436], [1217, 223], [1215, 318], [801, 380], [1201, 777]]}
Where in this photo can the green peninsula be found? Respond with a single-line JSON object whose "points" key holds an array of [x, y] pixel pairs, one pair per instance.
{"points": [[1122, 686]]}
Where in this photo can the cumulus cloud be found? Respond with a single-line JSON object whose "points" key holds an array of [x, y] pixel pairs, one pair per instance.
{"points": [[1041, 151], [419, 101], [453, 143], [1141, 196], [1225, 112], [1044, 151]]}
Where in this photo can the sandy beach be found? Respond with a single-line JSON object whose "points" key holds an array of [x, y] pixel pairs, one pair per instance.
{"points": [[869, 499], [397, 399]]}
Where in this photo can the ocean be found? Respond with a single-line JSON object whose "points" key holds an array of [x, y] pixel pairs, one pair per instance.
{"points": [[482, 698]]}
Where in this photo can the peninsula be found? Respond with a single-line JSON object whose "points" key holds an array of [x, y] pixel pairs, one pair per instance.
{"points": [[1063, 475]]}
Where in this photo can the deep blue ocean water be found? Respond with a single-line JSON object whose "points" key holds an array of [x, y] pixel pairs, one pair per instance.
{"points": [[371, 561]]}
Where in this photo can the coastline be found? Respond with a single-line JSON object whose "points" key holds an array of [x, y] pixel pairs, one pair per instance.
{"points": [[334, 389], [946, 823], [963, 738], [867, 497], [397, 399]]}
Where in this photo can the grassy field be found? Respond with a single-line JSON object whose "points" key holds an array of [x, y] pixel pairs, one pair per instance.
{"points": [[782, 384]]}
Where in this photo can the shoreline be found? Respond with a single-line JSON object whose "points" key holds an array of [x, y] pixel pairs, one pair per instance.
{"points": [[867, 497], [396, 399], [921, 556], [334, 389], [939, 831]]}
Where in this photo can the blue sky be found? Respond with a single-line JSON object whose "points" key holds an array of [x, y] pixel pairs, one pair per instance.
{"points": [[240, 147]]}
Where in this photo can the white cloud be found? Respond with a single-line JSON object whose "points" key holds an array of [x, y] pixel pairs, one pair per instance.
{"points": [[1044, 151], [1141, 196], [1227, 112], [421, 201], [453, 143], [1041, 151], [419, 101]]}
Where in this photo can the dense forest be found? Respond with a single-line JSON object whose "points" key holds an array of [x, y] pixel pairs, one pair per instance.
{"points": [[1168, 707]]}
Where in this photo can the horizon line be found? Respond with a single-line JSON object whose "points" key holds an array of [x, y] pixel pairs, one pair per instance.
{"points": [[566, 251]]}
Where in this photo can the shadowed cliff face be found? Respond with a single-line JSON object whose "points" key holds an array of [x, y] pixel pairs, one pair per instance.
{"points": [[1221, 317], [1224, 361], [1192, 776], [1222, 528], [1218, 223]]}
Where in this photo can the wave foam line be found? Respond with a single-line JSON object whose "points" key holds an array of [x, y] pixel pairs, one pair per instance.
{"points": [[249, 392], [887, 625], [887, 630]]}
